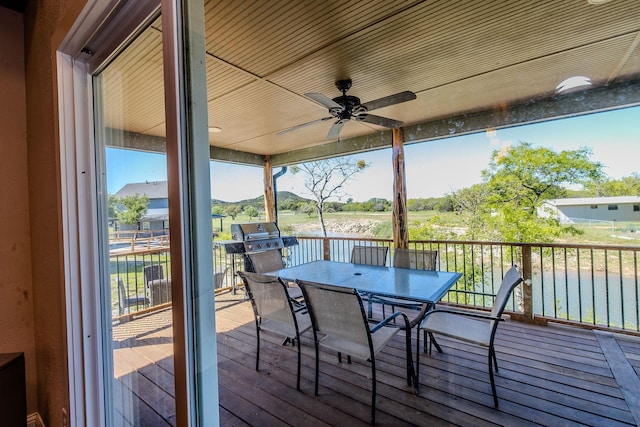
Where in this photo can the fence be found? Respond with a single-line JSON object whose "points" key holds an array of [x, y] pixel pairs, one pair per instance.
{"points": [[591, 285]]}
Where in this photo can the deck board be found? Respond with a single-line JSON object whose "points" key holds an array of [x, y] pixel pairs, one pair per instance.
{"points": [[549, 375]]}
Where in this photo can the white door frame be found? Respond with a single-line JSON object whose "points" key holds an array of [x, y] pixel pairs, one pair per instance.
{"points": [[192, 286]]}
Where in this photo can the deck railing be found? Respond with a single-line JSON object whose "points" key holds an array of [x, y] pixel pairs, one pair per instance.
{"points": [[592, 285], [596, 286]]}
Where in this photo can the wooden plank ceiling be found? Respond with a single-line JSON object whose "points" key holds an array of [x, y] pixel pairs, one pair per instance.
{"points": [[458, 56]]}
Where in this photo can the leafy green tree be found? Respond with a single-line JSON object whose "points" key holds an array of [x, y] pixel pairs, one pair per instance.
{"points": [[218, 210], [232, 210], [251, 212], [625, 186], [474, 212], [522, 177], [325, 179], [132, 209]]}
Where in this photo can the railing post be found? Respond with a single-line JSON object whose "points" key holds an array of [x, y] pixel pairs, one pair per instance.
{"points": [[326, 249], [527, 292]]}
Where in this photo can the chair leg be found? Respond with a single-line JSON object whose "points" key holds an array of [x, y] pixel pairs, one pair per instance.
{"points": [[493, 383], [373, 390], [299, 361], [317, 366], [495, 359], [416, 380], [257, 348], [433, 341]]}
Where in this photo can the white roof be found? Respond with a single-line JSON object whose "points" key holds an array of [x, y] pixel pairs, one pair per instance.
{"points": [[594, 201]]}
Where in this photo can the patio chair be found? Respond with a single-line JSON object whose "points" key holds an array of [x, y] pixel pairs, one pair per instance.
{"points": [[158, 288], [471, 326], [340, 324], [369, 255], [266, 261], [415, 259], [125, 302], [274, 312], [218, 276]]}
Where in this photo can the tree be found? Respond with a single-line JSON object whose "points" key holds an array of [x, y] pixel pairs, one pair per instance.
{"points": [[132, 208], [521, 178], [232, 210], [325, 179], [251, 212], [471, 204]]}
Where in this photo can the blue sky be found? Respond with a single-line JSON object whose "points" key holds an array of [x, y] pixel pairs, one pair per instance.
{"points": [[433, 168]]}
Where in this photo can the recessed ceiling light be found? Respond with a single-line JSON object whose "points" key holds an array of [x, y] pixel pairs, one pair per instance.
{"points": [[598, 1], [573, 83], [214, 129]]}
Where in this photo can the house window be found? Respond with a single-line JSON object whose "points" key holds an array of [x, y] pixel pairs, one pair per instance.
{"points": [[636, 208], [594, 206], [613, 207]]}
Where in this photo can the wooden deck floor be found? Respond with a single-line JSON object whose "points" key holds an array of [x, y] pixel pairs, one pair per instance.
{"points": [[551, 376]]}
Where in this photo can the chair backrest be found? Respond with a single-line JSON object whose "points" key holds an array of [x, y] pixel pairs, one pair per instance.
{"points": [[121, 295], [337, 312], [270, 300], [153, 272], [370, 255], [415, 259], [266, 261], [510, 280], [218, 277]]}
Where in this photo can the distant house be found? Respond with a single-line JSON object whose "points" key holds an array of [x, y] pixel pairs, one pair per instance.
{"points": [[157, 216], [568, 211]]}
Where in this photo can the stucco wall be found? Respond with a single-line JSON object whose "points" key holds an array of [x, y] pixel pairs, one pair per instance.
{"points": [[16, 292]]}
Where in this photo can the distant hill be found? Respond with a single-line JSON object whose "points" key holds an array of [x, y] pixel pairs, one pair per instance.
{"points": [[258, 202]]}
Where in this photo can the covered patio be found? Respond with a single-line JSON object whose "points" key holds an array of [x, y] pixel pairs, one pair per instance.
{"points": [[549, 375], [473, 67]]}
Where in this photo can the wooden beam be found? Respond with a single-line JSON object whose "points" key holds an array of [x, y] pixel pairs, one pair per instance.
{"points": [[269, 195], [157, 144], [399, 214]]}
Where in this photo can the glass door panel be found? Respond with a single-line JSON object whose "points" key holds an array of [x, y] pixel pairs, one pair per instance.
{"points": [[129, 95]]}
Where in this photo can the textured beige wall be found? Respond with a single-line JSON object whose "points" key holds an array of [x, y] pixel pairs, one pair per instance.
{"points": [[42, 20], [16, 291]]}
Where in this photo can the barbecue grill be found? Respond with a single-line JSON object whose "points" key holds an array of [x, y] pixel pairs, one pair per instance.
{"points": [[255, 237]]}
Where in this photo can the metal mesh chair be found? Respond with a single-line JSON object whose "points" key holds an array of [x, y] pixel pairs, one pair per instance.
{"points": [[414, 259], [266, 261], [471, 326], [274, 312], [370, 255], [125, 301], [340, 324]]}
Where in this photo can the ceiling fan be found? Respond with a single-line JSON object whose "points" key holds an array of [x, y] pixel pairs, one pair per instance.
{"points": [[347, 107]]}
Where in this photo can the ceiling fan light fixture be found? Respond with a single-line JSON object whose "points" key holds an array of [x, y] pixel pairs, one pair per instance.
{"points": [[573, 84]]}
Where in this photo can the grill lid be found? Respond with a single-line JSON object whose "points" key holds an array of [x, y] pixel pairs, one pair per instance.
{"points": [[255, 231]]}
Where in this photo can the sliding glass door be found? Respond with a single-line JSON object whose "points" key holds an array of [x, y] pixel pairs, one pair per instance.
{"points": [[153, 191]]}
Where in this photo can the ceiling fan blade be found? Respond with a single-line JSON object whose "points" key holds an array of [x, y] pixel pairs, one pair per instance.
{"points": [[334, 132], [296, 127], [389, 100], [324, 100], [380, 121]]}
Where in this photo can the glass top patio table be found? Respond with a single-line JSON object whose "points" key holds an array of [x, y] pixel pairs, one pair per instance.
{"points": [[416, 285]]}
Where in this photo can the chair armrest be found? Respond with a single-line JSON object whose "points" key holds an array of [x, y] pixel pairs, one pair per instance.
{"points": [[475, 314], [386, 321]]}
